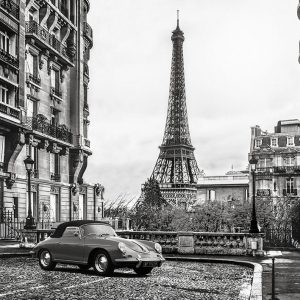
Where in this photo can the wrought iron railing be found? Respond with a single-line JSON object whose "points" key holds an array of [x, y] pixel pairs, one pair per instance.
{"points": [[263, 192], [55, 91], [55, 177], [59, 132], [10, 111], [33, 78], [43, 34], [289, 192], [11, 7], [8, 58]]}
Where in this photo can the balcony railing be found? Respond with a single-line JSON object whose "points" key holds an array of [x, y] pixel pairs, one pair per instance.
{"points": [[59, 132], [8, 58], [10, 111], [263, 192], [55, 177], [88, 32], [33, 78], [11, 7], [289, 192], [279, 169], [32, 27], [56, 92]]}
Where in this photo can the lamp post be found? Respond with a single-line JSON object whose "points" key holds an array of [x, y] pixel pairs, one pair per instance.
{"points": [[253, 227], [29, 220]]}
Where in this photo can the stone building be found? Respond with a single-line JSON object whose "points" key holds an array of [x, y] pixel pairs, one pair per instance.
{"points": [[44, 110], [277, 175], [229, 189]]}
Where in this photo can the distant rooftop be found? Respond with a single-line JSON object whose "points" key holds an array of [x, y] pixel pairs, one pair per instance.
{"points": [[287, 126]]}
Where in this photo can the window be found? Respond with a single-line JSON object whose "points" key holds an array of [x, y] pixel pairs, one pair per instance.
{"points": [[34, 155], [4, 41], [274, 142], [55, 117], [2, 148], [55, 167], [70, 231], [4, 94], [258, 143], [32, 64], [211, 195], [289, 185], [82, 207], [31, 108], [54, 208], [289, 161], [55, 82], [290, 141]]}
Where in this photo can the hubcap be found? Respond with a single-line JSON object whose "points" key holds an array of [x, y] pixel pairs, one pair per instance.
{"points": [[101, 263], [45, 258]]}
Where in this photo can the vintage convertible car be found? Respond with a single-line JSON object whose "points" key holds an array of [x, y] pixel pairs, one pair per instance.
{"points": [[96, 244]]}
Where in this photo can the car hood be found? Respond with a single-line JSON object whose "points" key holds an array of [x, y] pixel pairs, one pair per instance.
{"points": [[131, 244]]}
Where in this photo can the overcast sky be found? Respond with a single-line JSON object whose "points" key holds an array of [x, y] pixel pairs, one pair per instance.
{"points": [[241, 70]]}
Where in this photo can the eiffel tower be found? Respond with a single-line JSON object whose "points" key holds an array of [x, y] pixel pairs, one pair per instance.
{"points": [[176, 168]]}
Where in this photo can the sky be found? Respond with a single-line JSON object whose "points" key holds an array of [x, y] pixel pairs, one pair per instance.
{"points": [[241, 70]]}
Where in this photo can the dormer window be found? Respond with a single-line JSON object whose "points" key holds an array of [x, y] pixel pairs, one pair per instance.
{"points": [[258, 143], [290, 141]]}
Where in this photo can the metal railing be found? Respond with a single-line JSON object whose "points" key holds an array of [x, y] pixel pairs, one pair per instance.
{"points": [[11, 7], [56, 91], [8, 58], [43, 34], [10, 111], [55, 177], [289, 192], [263, 192], [59, 132], [33, 78]]}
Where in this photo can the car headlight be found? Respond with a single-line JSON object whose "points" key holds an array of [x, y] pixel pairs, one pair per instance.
{"points": [[158, 248], [122, 248]]}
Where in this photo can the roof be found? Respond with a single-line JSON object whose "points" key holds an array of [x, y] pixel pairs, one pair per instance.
{"points": [[61, 227]]}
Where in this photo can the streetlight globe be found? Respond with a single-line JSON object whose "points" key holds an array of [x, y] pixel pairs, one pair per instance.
{"points": [[29, 162]]}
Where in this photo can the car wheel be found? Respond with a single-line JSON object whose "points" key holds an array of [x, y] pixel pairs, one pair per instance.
{"points": [[45, 260], [102, 263], [143, 270], [84, 267]]}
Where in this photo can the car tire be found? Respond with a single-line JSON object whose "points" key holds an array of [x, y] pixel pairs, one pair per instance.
{"points": [[143, 270], [102, 263], [84, 267], [45, 260]]}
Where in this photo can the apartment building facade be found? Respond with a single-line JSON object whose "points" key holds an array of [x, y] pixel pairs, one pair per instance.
{"points": [[44, 110]]}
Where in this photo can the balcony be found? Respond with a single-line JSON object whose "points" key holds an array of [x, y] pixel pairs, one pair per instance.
{"points": [[9, 111], [9, 59], [55, 177], [287, 169], [41, 125], [88, 32], [36, 80], [48, 41], [289, 192], [56, 93], [263, 192], [10, 7]]}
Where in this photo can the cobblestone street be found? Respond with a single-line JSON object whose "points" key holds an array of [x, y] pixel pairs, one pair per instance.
{"points": [[22, 278]]}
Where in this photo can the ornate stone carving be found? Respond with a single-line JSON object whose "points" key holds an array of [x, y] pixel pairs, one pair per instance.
{"points": [[10, 180], [74, 188], [99, 190]]}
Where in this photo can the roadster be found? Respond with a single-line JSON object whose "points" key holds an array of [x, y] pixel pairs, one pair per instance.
{"points": [[96, 244]]}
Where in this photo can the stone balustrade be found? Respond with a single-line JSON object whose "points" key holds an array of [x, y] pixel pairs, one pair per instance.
{"points": [[202, 243]]}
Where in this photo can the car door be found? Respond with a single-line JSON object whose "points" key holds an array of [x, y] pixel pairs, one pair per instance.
{"points": [[70, 246]]}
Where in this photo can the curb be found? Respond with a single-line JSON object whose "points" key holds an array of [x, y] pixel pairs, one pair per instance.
{"points": [[256, 287], [10, 255]]}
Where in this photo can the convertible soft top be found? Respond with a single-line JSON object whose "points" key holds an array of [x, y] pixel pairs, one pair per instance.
{"points": [[61, 227]]}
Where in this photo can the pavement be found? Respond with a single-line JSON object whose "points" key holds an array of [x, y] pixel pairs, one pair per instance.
{"points": [[286, 263]]}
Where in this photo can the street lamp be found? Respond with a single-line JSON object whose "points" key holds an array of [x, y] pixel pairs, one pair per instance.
{"points": [[253, 228], [29, 220]]}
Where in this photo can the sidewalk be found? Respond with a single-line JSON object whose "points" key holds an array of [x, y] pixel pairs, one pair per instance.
{"points": [[287, 269]]}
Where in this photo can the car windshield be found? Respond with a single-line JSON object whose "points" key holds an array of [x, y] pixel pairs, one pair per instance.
{"points": [[98, 229]]}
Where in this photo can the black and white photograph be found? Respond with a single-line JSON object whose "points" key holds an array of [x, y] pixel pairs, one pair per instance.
{"points": [[150, 150]]}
